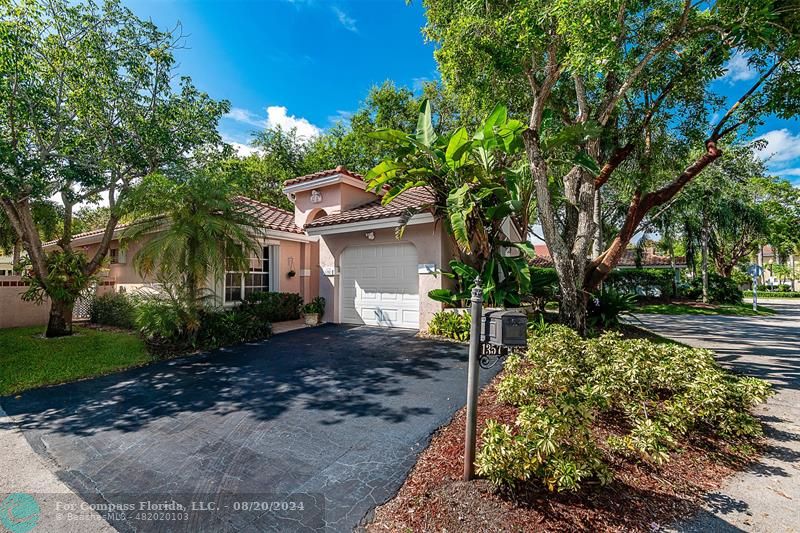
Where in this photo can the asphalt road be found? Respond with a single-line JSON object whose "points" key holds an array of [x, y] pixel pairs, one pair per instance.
{"points": [[766, 496], [329, 419]]}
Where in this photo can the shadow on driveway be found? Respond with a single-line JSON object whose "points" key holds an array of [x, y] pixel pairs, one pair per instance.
{"points": [[335, 411]]}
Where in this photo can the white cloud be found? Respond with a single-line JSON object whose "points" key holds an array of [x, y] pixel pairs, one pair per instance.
{"points": [[246, 117], [279, 116], [276, 116], [345, 20], [738, 69], [418, 84], [244, 150], [782, 147], [340, 116], [790, 172]]}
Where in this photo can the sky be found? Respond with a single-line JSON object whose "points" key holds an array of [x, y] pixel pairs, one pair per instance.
{"points": [[303, 63], [308, 63]]}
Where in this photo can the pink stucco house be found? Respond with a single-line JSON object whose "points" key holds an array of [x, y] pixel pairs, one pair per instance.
{"points": [[339, 243], [367, 275]]}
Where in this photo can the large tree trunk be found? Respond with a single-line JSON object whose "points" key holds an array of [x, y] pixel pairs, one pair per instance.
{"points": [[60, 322], [597, 247], [17, 254], [704, 261], [572, 307], [569, 243]]}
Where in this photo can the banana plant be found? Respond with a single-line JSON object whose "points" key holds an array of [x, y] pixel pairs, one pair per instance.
{"points": [[477, 185]]}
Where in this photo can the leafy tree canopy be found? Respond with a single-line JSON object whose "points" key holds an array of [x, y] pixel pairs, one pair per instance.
{"points": [[605, 86], [91, 105]]}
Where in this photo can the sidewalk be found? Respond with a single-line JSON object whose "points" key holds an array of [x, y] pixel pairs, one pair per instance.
{"points": [[22, 471], [766, 496]]}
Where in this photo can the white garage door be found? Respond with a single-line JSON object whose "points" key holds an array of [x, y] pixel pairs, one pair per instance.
{"points": [[380, 285]]}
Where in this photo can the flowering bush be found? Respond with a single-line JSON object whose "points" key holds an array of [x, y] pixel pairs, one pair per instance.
{"points": [[661, 392]]}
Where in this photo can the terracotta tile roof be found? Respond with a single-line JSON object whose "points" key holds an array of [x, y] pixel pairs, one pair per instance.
{"points": [[541, 261], [416, 197], [649, 258], [271, 217], [323, 174], [90, 233], [541, 250]]}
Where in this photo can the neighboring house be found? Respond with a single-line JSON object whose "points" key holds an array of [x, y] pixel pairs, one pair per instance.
{"points": [[767, 257], [339, 243], [6, 266], [649, 259]]}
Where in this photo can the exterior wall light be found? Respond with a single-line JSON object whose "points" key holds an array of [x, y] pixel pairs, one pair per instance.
{"points": [[370, 235]]}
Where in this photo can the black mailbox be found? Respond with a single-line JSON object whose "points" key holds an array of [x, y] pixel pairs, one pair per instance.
{"points": [[504, 328]]}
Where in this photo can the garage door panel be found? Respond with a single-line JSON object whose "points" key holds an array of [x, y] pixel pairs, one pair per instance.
{"points": [[380, 285]]}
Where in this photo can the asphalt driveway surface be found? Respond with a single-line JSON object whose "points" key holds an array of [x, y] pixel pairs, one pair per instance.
{"points": [[318, 424], [764, 496]]}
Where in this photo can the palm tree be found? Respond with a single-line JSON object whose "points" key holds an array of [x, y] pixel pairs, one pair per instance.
{"points": [[196, 228]]}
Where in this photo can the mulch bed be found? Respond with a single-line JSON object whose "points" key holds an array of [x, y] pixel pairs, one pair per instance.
{"points": [[640, 498]]}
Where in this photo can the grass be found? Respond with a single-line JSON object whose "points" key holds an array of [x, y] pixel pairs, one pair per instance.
{"points": [[691, 308], [27, 360]]}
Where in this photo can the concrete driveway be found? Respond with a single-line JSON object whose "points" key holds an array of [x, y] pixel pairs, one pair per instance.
{"points": [[764, 497], [306, 431]]}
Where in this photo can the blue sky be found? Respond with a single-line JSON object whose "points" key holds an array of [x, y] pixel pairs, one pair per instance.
{"points": [[306, 63]]}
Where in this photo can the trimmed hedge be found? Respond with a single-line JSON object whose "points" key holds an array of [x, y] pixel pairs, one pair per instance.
{"points": [[773, 294], [721, 290], [273, 306], [113, 309], [642, 282]]}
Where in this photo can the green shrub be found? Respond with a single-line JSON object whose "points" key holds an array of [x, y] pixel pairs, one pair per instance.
{"points": [[453, 325], [538, 326], [544, 287], [169, 324], [661, 392], [721, 290], [642, 282], [315, 307], [773, 294], [113, 309], [166, 324], [224, 327], [605, 308], [273, 306]]}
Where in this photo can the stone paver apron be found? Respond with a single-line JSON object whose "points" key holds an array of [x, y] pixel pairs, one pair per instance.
{"points": [[332, 417]]}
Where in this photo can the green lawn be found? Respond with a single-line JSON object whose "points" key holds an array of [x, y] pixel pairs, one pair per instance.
{"points": [[700, 309], [773, 296], [27, 360]]}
